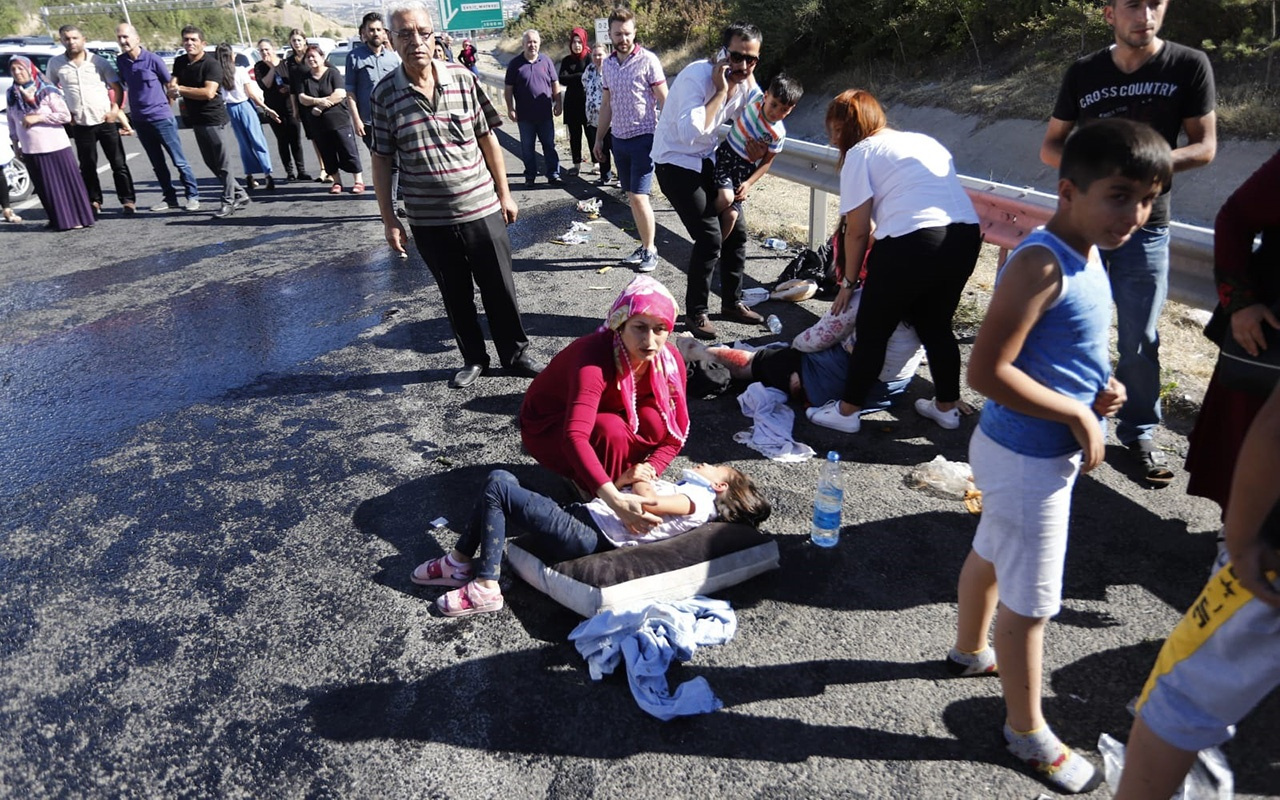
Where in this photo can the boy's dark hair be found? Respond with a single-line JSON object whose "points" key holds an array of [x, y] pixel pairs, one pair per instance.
{"points": [[740, 30], [1103, 148], [621, 14], [742, 502], [786, 88], [68, 28], [190, 29], [372, 16]]}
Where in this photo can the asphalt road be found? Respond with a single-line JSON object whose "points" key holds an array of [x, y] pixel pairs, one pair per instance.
{"points": [[222, 445]]}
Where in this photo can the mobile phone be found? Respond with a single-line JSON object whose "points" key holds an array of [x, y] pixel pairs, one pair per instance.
{"points": [[722, 54]]}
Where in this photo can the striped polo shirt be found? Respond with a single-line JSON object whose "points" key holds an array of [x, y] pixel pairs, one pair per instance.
{"points": [[752, 125], [442, 171], [630, 84]]}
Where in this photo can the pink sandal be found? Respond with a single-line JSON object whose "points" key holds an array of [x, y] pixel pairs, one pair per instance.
{"points": [[468, 600], [441, 572], [358, 188], [335, 189]]}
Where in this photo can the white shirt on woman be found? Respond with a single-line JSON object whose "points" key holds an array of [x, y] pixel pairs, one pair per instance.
{"points": [[910, 180]]}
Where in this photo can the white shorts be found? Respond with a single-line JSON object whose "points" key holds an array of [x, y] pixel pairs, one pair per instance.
{"points": [[1220, 662], [1026, 506]]}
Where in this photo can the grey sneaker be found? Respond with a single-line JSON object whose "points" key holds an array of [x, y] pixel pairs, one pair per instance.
{"points": [[165, 206], [193, 204], [649, 263], [636, 257]]}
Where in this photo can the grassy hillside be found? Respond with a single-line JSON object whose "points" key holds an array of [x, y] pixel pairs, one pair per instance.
{"points": [[159, 29], [995, 59]]}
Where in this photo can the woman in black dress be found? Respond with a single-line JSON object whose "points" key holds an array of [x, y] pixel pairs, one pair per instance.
{"points": [[324, 99], [575, 99]]}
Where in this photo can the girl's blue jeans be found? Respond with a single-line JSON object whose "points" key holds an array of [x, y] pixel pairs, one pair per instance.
{"points": [[562, 533]]}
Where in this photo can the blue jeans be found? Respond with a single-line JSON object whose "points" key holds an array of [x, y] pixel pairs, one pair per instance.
{"points": [[560, 534], [159, 137], [1139, 272], [544, 133]]}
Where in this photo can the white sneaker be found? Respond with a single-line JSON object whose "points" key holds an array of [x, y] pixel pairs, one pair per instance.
{"points": [[947, 419], [829, 416]]}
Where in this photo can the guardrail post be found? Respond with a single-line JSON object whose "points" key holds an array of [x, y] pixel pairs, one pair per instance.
{"points": [[818, 200]]}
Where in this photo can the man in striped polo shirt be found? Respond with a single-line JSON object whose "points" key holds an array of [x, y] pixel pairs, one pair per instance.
{"points": [[435, 119], [634, 90]]}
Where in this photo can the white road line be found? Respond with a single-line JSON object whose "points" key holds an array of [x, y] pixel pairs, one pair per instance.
{"points": [[33, 201]]}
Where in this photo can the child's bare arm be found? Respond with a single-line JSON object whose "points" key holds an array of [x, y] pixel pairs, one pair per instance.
{"points": [[1254, 493], [669, 505], [745, 188], [1031, 282], [644, 489]]}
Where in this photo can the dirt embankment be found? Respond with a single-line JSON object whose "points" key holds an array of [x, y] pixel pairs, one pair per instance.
{"points": [[1008, 151]]}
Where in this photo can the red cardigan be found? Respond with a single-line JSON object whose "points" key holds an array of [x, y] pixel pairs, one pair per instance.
{"points": [[562, 404]]}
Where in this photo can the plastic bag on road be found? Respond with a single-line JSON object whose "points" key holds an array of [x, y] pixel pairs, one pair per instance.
{"points": [[1210, 777], [950, 480]]}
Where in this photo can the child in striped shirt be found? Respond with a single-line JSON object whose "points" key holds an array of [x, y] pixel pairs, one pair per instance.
{"points": [[761, 121]]}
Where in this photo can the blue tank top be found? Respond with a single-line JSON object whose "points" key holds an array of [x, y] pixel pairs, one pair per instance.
{"points": [[1066, 350]]}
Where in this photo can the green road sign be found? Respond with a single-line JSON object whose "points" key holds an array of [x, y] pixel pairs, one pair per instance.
{"points": [[467, 15]]}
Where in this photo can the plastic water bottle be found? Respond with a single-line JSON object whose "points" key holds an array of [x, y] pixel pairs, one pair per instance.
{"points": [[827, 503], [775, 244], [773, 324]]}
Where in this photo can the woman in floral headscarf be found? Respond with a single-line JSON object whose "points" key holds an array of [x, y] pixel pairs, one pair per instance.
{"points": [[610, 408], [37, 112]]}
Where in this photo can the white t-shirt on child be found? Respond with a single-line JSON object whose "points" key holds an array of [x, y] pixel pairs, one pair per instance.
{"points": [[704, 510]]}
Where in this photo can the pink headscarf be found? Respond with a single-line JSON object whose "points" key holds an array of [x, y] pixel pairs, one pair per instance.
{"points": [[581, 33], [644, 295]]}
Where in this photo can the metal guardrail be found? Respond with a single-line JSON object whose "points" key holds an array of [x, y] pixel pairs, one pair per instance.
{"points": [[1007, 214]]}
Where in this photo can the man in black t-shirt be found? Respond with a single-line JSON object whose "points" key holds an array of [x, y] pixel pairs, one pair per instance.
{"points": [[1170, 87], [197, 79]]}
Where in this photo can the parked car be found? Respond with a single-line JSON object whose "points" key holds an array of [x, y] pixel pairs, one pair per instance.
{"points": [[39, 55], [15, 172]]}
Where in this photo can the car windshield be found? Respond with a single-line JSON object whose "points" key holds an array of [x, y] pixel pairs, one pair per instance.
{"points": [[41, 60]]}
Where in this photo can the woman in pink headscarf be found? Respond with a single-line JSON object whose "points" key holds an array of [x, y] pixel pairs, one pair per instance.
{"points": [[575, 97], [610, 408], [37, 113]]}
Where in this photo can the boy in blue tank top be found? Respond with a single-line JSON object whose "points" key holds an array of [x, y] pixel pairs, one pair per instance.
{"points": [[1041, 359]]}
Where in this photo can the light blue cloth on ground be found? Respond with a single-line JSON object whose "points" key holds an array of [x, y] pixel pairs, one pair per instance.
{"points": [[648, 637]]}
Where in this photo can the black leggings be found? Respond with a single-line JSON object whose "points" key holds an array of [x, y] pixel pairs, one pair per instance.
{"points": [[288, 142], [917, 279]]}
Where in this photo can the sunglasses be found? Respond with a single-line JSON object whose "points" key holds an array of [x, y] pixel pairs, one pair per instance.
{"points": [[743, 58]]}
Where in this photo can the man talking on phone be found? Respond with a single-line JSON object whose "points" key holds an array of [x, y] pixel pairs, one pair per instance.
{"points": [[704, 95]]}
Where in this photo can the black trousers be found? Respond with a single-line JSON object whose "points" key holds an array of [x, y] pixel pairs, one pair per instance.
{"points": [[289, 142], [606, 163], [692, 195], [476, 253], [210, 139], [87, 139], [918, 279]]}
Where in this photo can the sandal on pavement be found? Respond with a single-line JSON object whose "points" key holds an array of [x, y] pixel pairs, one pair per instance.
{"points": [[441, 572], [335, 189], [1152, 461], [358, 188], [469, 600], [11, 216]]}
